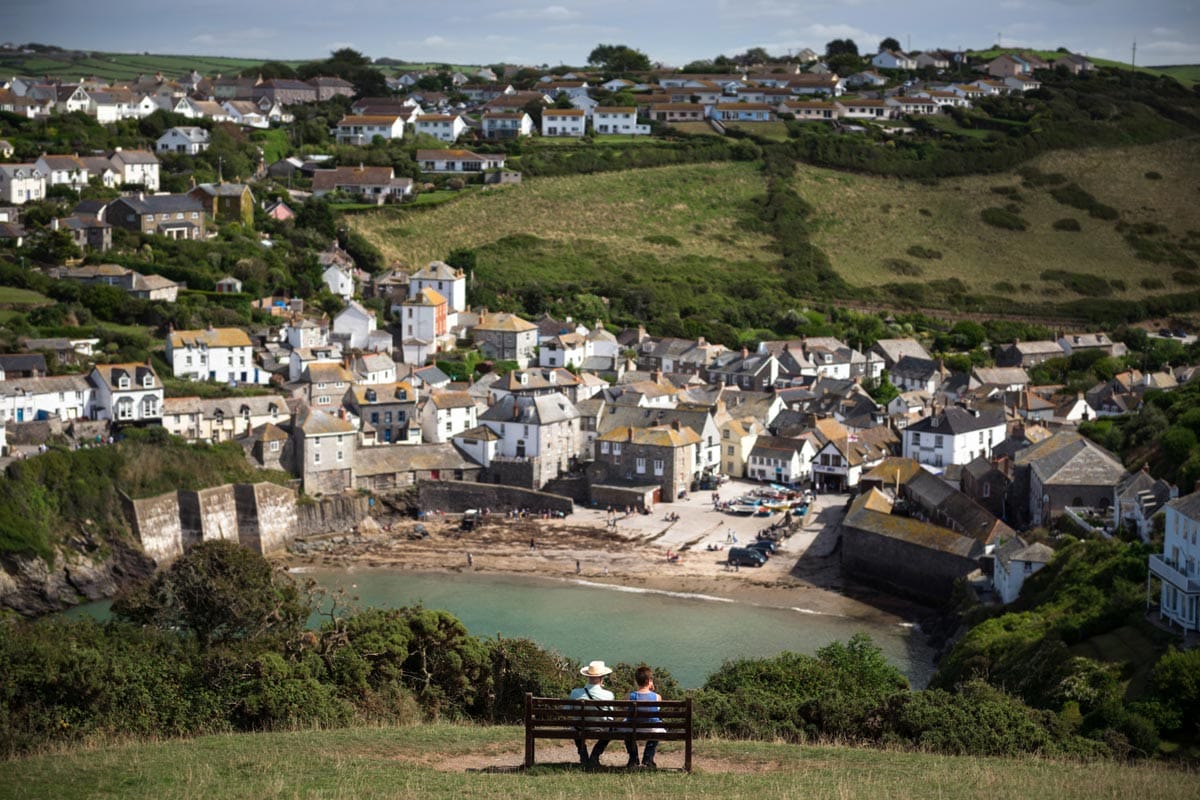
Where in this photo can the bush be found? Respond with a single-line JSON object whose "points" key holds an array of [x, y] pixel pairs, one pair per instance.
{"points": [[899, 266], [1067, 224], [917, 251], [1154, 176], [1003, 218], [1079, 282]]}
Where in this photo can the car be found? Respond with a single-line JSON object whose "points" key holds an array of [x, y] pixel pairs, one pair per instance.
{"points": [[764, 546], [1180, 333], [745, 557]]}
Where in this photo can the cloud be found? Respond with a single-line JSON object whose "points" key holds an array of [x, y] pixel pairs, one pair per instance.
{"points": [[234, 36], [435, 41], [544, 13]]}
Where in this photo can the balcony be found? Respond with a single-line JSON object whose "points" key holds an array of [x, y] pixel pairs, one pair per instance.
{"points": [[1171, 573]]}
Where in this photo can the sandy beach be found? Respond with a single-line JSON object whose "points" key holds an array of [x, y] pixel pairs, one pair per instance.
{"points": [[805, 574]]}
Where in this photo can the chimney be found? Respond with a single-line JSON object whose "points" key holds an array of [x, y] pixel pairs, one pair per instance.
{"points": [[674, 424]]}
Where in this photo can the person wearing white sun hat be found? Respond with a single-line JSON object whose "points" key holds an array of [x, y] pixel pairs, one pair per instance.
{"points": [[595, 672]]}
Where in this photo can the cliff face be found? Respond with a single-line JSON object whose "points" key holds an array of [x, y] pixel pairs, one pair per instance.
{"points": [[31, 588]]}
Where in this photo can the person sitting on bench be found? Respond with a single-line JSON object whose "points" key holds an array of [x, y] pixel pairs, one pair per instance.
{"points": [[645, 691], [595, 673]]}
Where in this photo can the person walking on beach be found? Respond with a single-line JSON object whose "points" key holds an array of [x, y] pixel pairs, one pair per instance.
{"points": [[644, 677], [470, 561], [595, 673]]}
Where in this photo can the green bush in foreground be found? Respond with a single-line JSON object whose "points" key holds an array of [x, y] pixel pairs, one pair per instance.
{"points": [[1003, 218]]}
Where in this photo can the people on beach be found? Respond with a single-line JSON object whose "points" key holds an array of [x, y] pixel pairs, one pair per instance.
{"points": [[595, 672], [644, 677]]}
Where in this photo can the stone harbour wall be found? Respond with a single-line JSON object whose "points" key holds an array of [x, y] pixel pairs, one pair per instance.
{"points": [[458, 496]]}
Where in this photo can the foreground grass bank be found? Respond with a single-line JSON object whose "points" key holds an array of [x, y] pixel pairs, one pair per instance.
{"points": [[472, 762]]}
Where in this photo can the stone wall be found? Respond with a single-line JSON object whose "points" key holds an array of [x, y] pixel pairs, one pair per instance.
{"points": [[572, 486], [908, 569], [156, 524], [208, 514], [458, 496], [266, 516], [331, 514]]}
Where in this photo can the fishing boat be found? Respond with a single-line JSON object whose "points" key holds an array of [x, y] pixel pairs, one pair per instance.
{"points": [[745, 505]]}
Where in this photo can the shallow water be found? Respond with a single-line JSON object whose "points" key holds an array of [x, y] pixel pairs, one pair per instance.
{"points": [[689, 635]]}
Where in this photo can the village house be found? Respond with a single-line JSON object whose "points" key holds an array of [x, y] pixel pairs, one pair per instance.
{"points": [[1178, 564], [618, 120], [1137, 499], [189, 140], [372, 368], [444, 413], [1064, 470], [914, 373], [458, 161], [63, 171], [226, 202], [374, 183], [88, 232], [388, 412], [126, 393], [893, 59], [1027, 354], [445, 127], [662, 456], [144, 287], [423, 325], [176, 216], [506, 337], [564, 122], [1014, 562], [221, 419], [329, 87], [224, 355], [64, 397], [842, 457], [136, 168], [780, 460], [954, 436], [540, 438], [21, 183], [505, 125], [322, 384], [323, 450], [738, 437], [678, 112], [362, 129]]}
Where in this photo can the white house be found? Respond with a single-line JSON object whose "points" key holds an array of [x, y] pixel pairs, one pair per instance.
{"points": [[362, 129], [340, 281], [1178, 566], [444, 414], [458, 161], [1015, 561], [62, 396], [184, 139], [355, 322], [21, 183], [780, 460], [954, 436], [446, 127], [450, 282], [423, 324], [543, 431], [63, 171], [225, 355], [505, 125], [126, 393], [893, 59], [136, 167], [564, 350], [618, 119], [564, 122]]}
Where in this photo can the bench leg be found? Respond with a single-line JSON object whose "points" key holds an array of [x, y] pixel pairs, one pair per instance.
{"points": [[529, 753], [687, 755]]}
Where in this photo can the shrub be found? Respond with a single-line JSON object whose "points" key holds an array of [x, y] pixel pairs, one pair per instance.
{"points": [[1004, 287], [917, 251], [1151, 284], [924, 212], [1154, 176], [901, 267], [1003, 218], [1078, 282], [663, 239], [1067, 224], [1186, 278]]}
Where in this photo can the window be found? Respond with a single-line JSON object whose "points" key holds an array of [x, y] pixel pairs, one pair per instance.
{"points": [[729, 450], [658, 467], [604, 447], [916, 440], [274, 447], [987, 490], [641, 465], [317, 455], [616, 448], [340, 455]]}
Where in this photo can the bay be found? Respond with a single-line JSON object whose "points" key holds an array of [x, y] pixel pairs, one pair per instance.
{"points": [[691, 636]]}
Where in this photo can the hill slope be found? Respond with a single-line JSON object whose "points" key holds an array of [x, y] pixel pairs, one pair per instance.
{"points": [[862, 222], [477, 762]]}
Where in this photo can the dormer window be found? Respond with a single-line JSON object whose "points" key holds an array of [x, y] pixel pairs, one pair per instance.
{"points": [[123, 382], [147, 380], [370, 395]]}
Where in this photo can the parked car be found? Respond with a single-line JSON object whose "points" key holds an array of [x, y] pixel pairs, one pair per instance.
{"points": [[764, 546], [745, 557]]}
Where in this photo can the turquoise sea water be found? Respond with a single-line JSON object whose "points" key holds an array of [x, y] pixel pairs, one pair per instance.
{"points": [[689, 635]]}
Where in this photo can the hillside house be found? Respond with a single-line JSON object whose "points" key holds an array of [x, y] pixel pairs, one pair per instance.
{"points": [[506, 337], [176, 216], [460, 161], [505, 125], [189, 140], [136, 168], [226, 202], [540, 438], [893, 59], [372, 183], [21, 183], [224, 355], [1178, 566], [662, 456], [618, 119], [445, 127], [954, 436], [323, 451], [361, 130], [564, 122], [126, 393]]}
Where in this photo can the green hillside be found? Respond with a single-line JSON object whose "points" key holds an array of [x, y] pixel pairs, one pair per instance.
{"points": [[481, 762], [73, 65], [870, 225], [1185, 74]]}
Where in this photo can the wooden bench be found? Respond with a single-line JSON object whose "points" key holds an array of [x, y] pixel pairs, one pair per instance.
{"points": [[618, 720]]}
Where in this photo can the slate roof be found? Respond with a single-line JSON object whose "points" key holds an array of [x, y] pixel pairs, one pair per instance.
{"points": [[1188, 505], [871, 512], [314, 422], [955, 421], [370, 461], [544, 409], [1069, 459]]}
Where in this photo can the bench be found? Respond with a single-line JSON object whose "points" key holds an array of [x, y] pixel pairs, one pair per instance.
{"points": [[618, 720]]}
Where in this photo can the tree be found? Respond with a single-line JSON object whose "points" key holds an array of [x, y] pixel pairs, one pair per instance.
{"points": [[218, 592], [839, 47], [619, 58], [890, 43], [755, 55]]}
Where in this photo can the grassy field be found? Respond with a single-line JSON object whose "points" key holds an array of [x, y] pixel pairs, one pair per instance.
{"points": [[122, 66], [772, 131], [862, 222], [670, 212], [475, 762], [1187, 74], [11, 296]]}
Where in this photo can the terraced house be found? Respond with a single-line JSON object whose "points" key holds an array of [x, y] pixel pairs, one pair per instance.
{"points": [[362, 129], [225, 355]]}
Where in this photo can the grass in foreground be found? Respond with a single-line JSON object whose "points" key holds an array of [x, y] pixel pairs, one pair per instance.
{"points": [[669, 212], [863, 221], [472, 762]]}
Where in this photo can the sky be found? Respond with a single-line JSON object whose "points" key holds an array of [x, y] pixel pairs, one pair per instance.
{"points": [[556, 32]]}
